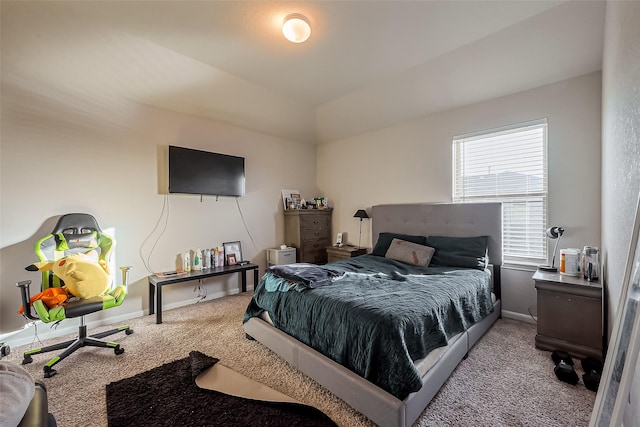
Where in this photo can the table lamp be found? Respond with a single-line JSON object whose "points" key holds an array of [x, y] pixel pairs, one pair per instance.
{"points": [[553, 233], [362, 214]]}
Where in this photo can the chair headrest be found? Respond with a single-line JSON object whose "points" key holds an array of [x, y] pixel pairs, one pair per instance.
{"points": [[76, 223]]}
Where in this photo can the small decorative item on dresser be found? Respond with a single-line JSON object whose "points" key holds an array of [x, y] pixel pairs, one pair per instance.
{"points": [[291, 199]]}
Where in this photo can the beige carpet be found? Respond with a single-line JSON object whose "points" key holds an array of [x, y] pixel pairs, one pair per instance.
{"points": [[505, 381]]}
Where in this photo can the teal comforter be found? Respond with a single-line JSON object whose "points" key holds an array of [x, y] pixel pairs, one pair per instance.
{"points": [[378, 315]]}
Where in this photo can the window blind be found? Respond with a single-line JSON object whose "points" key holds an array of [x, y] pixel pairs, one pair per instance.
{"points": [[508, 165]]}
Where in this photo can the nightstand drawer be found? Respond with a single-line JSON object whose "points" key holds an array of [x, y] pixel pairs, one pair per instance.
{"points": [[571, 318]]}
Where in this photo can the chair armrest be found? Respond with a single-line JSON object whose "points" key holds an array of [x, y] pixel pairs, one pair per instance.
{"points": [[26, 297]]}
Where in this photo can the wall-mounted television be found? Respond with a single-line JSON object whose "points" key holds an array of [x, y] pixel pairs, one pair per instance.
{"points": [[202, 172]]}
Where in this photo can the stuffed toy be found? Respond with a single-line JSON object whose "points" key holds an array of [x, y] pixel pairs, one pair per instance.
{"points": [[83, 277], [51, 297]]}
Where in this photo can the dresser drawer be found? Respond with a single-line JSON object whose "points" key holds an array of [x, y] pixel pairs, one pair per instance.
{"points": [[314, 234], [315, 257], [315, 221], [316, 245]]}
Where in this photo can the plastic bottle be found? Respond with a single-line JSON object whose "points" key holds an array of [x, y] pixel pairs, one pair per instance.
{"points": [[197, 260], [186, 261], [206, 259]]}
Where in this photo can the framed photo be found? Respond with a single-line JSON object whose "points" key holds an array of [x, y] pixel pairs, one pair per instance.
{"points": [[232, 248], [291, 199], [622, 355], [231, 259]]}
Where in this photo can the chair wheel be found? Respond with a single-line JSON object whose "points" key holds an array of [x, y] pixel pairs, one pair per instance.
{"points": [[49, 372], [128, 331], [118, 350], [27, 360]]}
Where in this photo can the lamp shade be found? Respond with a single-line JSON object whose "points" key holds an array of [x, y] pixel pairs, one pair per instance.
{"points": [[361, 213], [555, 232], [296, 28]]}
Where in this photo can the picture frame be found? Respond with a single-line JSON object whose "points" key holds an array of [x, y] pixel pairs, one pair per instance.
{"points": [[231, 259], [622, 354], [232, 248], [291, 199]]}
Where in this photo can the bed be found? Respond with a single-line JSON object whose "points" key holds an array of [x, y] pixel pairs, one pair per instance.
{"points": [[388, 392]]}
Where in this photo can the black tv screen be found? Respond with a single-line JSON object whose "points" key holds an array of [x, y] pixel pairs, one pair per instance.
{"points": [[201, 172]]}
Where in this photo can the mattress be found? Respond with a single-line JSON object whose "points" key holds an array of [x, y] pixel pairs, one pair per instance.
{"points": [[422, 365], [377, 319]]}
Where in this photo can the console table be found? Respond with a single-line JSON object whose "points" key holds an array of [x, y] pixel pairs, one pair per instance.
{"points": [[156, 283]]}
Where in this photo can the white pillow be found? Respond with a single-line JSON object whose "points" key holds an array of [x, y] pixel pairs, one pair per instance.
{"points": [[410, 253]]}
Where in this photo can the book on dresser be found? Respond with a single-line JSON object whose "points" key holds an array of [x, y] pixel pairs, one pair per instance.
{"points": [[309, 231]]}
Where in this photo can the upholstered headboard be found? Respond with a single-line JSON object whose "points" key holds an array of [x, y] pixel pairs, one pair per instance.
{"points": [[445, 219]]}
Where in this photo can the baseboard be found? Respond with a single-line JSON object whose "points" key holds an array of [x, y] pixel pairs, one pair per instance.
{"points": [[47, 331], [518, 316]]}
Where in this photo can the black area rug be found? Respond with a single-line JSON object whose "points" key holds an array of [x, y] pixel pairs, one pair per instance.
{"points": [[168, 395]]}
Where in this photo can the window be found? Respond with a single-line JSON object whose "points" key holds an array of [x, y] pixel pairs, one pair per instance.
{"points": [[508, 165]]}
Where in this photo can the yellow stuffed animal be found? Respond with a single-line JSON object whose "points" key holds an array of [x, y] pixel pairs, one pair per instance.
{"points": [[83, 277]]}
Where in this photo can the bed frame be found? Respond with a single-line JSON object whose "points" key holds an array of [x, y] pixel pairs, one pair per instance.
{"points": [[447, 219]]}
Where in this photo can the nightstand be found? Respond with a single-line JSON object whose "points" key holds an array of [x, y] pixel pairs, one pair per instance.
{"points": [[569, 314], [335, 253]]}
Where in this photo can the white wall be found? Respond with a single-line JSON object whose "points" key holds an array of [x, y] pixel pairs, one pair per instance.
{"points": [[63, 154], [620, 156], [412, 162]]}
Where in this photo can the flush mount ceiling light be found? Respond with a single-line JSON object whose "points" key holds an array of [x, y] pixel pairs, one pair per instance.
{"points": [[296, 28]]}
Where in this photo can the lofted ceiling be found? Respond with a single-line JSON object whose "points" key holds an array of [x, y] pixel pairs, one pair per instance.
{"points": [[368, 64]]}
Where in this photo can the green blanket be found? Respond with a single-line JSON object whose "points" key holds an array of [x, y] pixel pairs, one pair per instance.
{"points": [[379, 316]]}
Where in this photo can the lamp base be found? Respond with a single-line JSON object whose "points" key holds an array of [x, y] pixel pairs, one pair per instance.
{"points": [[549, 268]]}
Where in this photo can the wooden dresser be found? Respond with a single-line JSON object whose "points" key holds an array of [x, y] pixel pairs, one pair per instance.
{"points": [[309, 231]]}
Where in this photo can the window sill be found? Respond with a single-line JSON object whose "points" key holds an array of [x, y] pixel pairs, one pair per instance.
{"points": [[521, 266]]}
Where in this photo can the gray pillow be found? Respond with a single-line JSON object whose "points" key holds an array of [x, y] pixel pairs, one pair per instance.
{"points": [[385, 238], [410, 253], [469, 252]]}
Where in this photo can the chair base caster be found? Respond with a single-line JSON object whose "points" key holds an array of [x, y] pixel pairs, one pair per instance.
{"points": [[49, 372]]}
